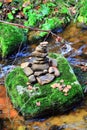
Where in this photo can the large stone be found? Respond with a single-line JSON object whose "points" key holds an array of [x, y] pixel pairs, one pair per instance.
{"points": [[45, 99], [36, 67], [10, 39], [44, 79], [28, 71]]}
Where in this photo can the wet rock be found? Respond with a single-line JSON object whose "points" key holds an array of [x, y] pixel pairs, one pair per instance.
{"points": [[32, 79], [85, 51], [47, 78], [37, 67], [25, 64], [28, 71], [56, 127]]}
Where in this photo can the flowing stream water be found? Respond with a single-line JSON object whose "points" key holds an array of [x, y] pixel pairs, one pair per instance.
{"points": [[75, 50]]}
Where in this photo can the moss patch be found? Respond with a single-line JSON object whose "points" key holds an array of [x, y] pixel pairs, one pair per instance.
{"points": [[44, 99], [10, 38]]}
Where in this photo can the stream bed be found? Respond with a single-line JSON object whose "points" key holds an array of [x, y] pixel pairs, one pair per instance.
{"points": [[75, 50]]}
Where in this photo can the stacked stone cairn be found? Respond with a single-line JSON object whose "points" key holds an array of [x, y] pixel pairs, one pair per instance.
{"points": [[40, 67]]}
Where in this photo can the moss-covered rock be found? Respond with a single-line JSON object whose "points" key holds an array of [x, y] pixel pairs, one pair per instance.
{"points": [[82, 76], [44, 99], [10, 38]]}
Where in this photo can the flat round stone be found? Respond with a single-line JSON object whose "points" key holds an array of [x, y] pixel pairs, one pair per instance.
{"points": [[36, 67], [28, 71], [44, 79], [41, 49], [38, 73], [39, 54]]}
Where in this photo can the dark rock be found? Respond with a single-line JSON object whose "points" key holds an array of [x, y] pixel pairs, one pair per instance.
{"points": [[28, 71], [56, 127], [47, 78], [37, 67], [32, 79]]}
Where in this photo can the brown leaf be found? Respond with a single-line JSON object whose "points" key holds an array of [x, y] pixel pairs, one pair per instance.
{"points": [[7, 1]]}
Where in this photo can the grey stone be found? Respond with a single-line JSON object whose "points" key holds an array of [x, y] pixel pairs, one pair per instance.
{"points": [[28, 71], [41, 49], [38, 73], [39, 54], [37, 67], [32, 79], [47, 78], [51, 70]]}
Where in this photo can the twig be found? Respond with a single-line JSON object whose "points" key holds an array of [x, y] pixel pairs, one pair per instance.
{"points": [[22, 26], [27, 27]]}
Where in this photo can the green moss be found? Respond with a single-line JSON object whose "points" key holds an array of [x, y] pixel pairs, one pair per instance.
{"points": [[10, 38], [49, 98]]}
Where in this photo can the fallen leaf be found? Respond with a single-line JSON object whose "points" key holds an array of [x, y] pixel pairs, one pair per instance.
{"points": [[69, 86], [65, 94], [61, 81], [38, 104], [65, 89], [30, 87]]}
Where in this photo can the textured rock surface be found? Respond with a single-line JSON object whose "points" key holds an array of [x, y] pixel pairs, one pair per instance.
{"points": [[44, 79], [45, 69], [46, 98]]}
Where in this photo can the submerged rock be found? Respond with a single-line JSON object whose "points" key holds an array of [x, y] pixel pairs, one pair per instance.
{"points": [[10, 39], [48, 98]]}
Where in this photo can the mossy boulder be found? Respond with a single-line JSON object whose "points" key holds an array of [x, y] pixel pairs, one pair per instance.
{"points": [[81, 76], [10, 39], [44, 99]]}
